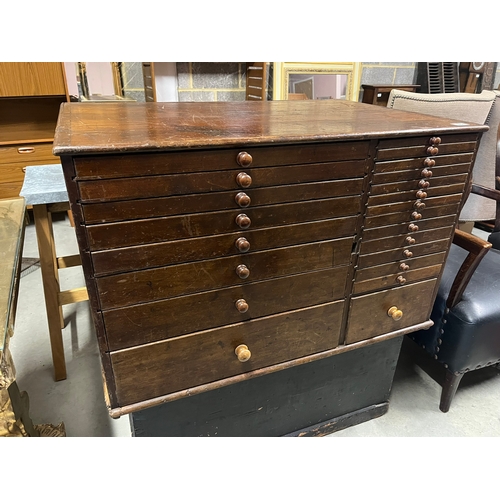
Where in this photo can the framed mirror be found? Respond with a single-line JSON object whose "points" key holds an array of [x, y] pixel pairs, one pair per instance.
{"points": [[316, 80]]}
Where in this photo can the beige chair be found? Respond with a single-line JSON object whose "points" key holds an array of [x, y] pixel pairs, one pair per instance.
{"points": [[473, 108]]}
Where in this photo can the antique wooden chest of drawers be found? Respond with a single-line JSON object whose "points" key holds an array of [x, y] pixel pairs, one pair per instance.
{"points": [[223, 241]]}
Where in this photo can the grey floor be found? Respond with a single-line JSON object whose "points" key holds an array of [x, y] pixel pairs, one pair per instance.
{"points": [[78, 401]]}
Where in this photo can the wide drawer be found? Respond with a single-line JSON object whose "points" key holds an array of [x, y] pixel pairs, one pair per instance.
{"points": [[210, 247], [26, 153], [172, 281], [165, 367], [415, 301], [144, 231], [144, 323]]}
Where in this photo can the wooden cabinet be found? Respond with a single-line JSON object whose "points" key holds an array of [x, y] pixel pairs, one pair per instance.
{"points": [[30, 97], [226, 241], [379, 94]]}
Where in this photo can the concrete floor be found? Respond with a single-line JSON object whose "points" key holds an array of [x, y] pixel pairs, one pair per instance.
{"points": [[78, 401]]}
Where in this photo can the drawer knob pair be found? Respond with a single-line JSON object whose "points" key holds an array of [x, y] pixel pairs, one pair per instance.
{"points": [[435, 141], [410, 241], [432, 150], [243, 221], [424, 184], [426, 173], [243, 200], [243, 353], [242, 244], [429, 162], [404, 267], [419, 205], [243, 180], [408, 254], [421, 194], [395, 313], [416, 216], [412, 228], [244, 159]]}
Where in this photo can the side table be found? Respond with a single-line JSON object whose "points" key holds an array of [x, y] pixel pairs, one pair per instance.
{"points": [[379, 94], [45, 190]]}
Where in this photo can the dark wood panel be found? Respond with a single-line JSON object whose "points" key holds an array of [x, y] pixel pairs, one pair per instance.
{"points": [[172, 252], [415, 301], [175, 205], [412, 152], [414, 184], [177, 364], [166, 282], [453, 162], [144, 231], [446, 139], [392, 198], [430, 216], [406, 206], [141, 324]]}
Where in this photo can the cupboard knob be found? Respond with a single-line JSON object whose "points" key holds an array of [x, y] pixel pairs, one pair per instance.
{"points": [[401, 280], [243, 353], [421, 194], [410, 241], [413, 227], [404, 267], [242, 271], [395, 313], [243, 180], [426, 173], [243, 200], [423, 184], [416, 216], [244, 159], [243, 221], [429, 162], [241, 305], [419, 205], [408, 254], [432, 150], [435, 141], [242, 244]]}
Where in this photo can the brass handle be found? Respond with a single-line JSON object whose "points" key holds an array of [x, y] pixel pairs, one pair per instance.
{"points": [[25, 150], [419, 205], [404, 267], [244, 159], [243, 221], [243, 353], [242, 271], [421, 194], [408, 254], [401, 280], [432, 150], [429, 162], [426, 173], [395, 313], [424, 184], [243, 180], [410, 241], [241, 305], [435, 141], [416, 216], [242, 244], [413, 227], [243, 200]]}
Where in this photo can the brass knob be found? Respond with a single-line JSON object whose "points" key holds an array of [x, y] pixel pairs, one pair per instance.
{"points": [[416, 216], [243, 180], [408, 254], [429, 162], [426, 173], [244, 159], [435, 141], [421, 194], [404, 267], [243, 221], [424, 184], [242, 244], [419, 205], [242, 271], [432, 150], [413, 227], [243, 200], [395, 313], [401, 280], [241, 305], [410, 241], [243, 353]]}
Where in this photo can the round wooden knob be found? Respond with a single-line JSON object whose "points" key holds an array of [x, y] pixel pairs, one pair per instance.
{"points": [[241, 305], [432, 150], [244, 159], [401, 280], [416, 216], [413, 228], [435, 141], [421, 194], [243, 200], [429, 162], [410, 241], [404, 267], [243, 353], [426, 173], [243, 180], [424, 184], [395, 313], [242, 244], [419, 205], [408, 254], [243, 221], [242, 271]]}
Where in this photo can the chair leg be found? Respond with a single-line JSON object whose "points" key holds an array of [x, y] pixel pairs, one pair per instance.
{"points": [[450, 387]]}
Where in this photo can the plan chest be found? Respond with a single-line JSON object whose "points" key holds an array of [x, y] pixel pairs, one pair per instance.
{"points": [[222, 241]]}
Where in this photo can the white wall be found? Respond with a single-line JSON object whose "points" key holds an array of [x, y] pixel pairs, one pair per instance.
{"points": [[166, 81]]}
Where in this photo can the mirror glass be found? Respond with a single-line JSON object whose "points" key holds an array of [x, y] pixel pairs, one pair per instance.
{"points": [[310, 86]]}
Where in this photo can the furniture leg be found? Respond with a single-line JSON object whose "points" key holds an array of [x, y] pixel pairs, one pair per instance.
{"points": [[50, 279], [450, 387]]}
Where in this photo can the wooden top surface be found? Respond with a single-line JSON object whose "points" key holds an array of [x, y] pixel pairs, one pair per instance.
{"points": [[116, 127]]}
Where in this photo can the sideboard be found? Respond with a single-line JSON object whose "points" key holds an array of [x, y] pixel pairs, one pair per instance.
{"points": [[227, 241]]}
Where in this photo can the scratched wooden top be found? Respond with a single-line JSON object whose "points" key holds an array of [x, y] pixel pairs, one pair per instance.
{"points": [[111, 127]]}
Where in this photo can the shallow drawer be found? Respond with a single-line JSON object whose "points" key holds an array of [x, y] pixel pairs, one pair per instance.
{"points": [[165, 367], [415, 183], [184, 204], [171, 162], [144, 231], [415, 301], [195, 249], [409, 206], [172, 281], [141, 324], [444, 163], [11, 172], [26, 153], [206, 182]]}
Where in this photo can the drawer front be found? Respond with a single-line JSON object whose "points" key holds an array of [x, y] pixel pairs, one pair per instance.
{"points": [[27, 153], [136, 165], [167, 282], [146, 231], [195, 249], [11, 172], [415, 301], [144, 323], [165, 367]]}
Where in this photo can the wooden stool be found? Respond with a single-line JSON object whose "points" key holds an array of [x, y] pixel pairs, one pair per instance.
{"points": [[45, 190]]}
